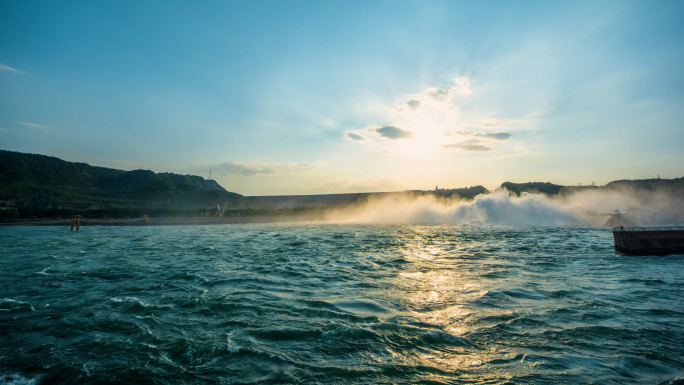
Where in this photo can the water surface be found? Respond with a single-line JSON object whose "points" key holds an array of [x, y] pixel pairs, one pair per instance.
{"points": [[326, 303]]}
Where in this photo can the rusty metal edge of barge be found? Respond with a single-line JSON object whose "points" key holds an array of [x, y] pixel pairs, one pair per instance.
{"points": [[649, 240]]}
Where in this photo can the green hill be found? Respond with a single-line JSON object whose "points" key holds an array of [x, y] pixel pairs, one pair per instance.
{"points": [[30, 180]]}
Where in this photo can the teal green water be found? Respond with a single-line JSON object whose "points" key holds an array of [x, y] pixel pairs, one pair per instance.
{"points": [[325, 303]]}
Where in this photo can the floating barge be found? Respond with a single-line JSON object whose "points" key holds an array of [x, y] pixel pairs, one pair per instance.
{"points": [[649, 240]]}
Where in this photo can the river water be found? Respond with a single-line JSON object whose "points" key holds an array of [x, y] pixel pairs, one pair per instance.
{"points": [[336, 303]]}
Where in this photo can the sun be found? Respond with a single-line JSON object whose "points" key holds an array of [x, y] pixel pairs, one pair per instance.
{"points": [[430, 117]]}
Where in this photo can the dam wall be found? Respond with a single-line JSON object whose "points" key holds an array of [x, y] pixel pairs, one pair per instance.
{"points": [[649, 240]]}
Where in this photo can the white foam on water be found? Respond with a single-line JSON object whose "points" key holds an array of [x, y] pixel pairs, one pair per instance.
{"points": [[138, 301], [129, 299], [209, 363], [166, 358], [9, 300], [278, 356], [16, 379], [203, 290], [85, 369], [271, 355]]}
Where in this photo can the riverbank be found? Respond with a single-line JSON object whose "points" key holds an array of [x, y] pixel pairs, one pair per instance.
{"points": [[180, 221]]}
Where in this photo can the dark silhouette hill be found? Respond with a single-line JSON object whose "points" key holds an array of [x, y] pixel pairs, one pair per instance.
{"points": [[634, 186], [45, 183], [31, 180], [533, 188]]}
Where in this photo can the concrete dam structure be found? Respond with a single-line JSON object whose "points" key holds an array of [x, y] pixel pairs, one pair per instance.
{"points": [[649, 240]]}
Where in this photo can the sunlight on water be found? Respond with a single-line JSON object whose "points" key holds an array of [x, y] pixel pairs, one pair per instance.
{"points": [[324, 303]]}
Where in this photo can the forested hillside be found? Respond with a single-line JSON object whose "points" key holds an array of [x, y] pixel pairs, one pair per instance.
{"points": [[29, 180]]}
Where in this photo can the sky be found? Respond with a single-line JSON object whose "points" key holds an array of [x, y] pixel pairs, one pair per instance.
{"points": [[315, 97]]}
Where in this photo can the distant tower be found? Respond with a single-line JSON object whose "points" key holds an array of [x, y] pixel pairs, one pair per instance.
{"points": [[209, 174]]}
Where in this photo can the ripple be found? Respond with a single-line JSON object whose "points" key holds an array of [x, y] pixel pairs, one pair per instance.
{"points": [[13, 305], [327, 303]]}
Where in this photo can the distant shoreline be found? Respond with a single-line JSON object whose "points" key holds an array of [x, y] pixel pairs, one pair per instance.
{"points": [[199, 221]]}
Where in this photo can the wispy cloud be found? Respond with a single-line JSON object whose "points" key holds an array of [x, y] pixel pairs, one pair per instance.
{"points": [[8, 68], [391, 132], [517, 151], [421, 118], [431, 120], [256, 168], [439, 93], [491, 122], [462, 86], [33, 125], [472, 145], [478, 141], [487, 135], [353, 136], [3, 129], [246, 168], [413, 104]]}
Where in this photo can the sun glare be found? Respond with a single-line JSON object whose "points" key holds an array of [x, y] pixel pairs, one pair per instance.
{"points": [[430, 116]]}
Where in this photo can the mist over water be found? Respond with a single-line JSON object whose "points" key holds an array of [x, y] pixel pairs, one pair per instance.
{"points": [[585, 208], [496, 208]]}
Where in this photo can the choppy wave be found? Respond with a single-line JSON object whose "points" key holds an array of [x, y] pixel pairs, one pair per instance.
{"points": [[324, 303]]}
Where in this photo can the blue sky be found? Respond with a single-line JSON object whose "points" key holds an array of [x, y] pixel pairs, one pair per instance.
{"points": [[306, 97]]}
